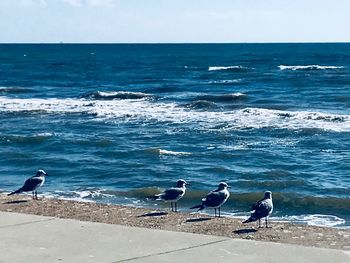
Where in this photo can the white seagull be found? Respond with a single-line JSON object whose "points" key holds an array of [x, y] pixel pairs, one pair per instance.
{"points": [[172, 194], [262, 208], [33, 183], [215, 199]]}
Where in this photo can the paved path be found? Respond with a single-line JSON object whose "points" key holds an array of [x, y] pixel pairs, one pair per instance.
{"points": [[29, 238]]}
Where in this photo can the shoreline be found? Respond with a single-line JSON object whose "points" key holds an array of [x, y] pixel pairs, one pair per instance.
{"points": [[280, 232]]}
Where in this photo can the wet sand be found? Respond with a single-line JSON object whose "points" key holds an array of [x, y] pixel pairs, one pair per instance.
{"points": [[325, 237]]}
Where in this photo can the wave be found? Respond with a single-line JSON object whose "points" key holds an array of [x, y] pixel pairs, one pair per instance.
{"points": [[222, 97], [245, 200], [122, 95], [202, 104], [15, 90], [313, 220], [225, 81], [26, 139], [322, 220], [150, 111], [308, 67], [166, 152], [230, 68]]}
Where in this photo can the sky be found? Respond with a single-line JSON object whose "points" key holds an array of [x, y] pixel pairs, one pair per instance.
{"points": [[174, 21]]}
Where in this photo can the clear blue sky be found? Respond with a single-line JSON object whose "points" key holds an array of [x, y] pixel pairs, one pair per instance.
{"points": [[135, 21]]}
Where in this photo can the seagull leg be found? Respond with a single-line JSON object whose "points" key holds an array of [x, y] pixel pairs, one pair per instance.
{"points": [[219, 212], [33, 195], [259, 223], [175, 207], [36, 195], [215, 211]]}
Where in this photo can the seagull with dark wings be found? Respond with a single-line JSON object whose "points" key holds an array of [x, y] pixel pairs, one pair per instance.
{"points": [[32, 184], [262, 208], [172, 194], [215, 199]]}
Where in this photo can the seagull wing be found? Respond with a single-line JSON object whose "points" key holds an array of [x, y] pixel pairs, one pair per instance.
{"points": [[172, 193], [213, 199], [256, 205], [31, 184], [262, 209]]}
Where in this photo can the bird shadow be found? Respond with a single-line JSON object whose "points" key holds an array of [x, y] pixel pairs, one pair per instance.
{"points": [[15, 202], [153, 214], [201, 219], [245, 231]]}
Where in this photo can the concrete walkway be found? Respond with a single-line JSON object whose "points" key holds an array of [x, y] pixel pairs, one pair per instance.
{"points": [[29, 238]]}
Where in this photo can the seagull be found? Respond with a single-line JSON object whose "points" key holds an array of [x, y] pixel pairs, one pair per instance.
{"points": [[172, 194], [262, 208], [32, 184], [215, 199]]}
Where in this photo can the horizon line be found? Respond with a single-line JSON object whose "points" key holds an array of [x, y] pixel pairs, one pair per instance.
{"points": [[168, 43]]}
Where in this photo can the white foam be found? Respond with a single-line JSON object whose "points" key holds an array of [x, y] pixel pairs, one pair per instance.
{"points": [[313, 220], [81, 196], [308, 67], [44, 134], [225, 81], [148, 111], [167, 152], [310, 219], [238, 94], [108, 94], [215, 68]]}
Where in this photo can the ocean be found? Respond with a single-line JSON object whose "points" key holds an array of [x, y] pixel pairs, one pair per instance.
{"points": [[114, 123]]}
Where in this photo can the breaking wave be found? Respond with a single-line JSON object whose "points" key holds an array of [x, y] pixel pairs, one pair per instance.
{"points": [[225, 81], [308, 67], [202, 104], [158, 151], [222, 97], [231, 68], [121, 95], [150, 111]]}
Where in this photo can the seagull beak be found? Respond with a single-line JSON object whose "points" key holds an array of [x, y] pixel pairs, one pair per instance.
{"points": [[228, 186], [187, 184]]}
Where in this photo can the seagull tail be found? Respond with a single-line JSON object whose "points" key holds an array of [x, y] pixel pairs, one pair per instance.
{"points": [[200, 207], [247, 221], [15, 192], [250, 219]]}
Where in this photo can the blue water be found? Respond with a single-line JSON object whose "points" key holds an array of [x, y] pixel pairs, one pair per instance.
{"points": [[115, 123]]}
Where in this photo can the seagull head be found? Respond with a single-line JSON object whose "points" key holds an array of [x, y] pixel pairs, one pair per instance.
{"points": [[182, 183], [223, 186], [268, 195], [41, 173]]}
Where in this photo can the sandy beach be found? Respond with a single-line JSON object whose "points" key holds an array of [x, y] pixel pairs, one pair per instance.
{"points": [[183, 222]]}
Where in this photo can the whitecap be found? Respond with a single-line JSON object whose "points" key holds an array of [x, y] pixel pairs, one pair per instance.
{"points": [[105, 95], [308, 67], [167, 152], [216, 68], [149, 111], [44, 134], [225, 81]]}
